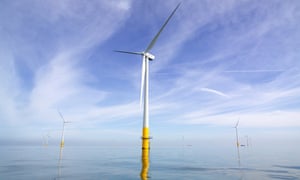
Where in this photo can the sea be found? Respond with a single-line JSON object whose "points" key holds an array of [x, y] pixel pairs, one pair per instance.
{"points": [[196, 161]]}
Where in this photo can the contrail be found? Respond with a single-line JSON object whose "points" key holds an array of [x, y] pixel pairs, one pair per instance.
{"points": [[214, 91], [254, 71]]}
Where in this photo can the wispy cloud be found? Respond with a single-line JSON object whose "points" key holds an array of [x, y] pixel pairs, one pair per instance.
{"points": [[58, 79]]}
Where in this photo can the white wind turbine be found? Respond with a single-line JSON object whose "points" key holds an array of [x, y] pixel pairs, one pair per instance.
{"points": [[237, 142], [236, 133], [146, 57], [62, 143]]}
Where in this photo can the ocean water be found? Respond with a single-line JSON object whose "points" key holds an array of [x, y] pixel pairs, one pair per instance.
{"points": [[181, 162]]}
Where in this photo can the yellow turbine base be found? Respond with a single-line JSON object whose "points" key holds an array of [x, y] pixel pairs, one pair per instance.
{"points": [[146, 132], [62, 144], [146, 138]]}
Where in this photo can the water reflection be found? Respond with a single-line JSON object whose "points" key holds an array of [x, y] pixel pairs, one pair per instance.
{"points": [[238, 155], [145, 160], [59, 163]]}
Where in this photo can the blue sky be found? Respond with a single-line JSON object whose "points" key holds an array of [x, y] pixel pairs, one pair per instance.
{"points": [[216, 62]]}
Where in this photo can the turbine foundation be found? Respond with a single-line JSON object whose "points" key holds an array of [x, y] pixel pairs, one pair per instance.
{"points": [[146, 138], [62, 144]]}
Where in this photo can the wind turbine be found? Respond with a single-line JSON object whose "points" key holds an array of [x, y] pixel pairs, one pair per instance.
{"points": [[144, 94], [236, 133], [237, 142], [62, 143]]}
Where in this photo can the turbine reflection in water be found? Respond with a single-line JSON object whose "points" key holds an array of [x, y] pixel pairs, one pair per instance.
{"points": [[145, 160], [59, 162], [238, 156]]}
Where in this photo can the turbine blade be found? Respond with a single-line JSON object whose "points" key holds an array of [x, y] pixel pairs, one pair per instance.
{"points": [[161, 29], [142, 81], [237, 123], [129, 52], [61, 115]]}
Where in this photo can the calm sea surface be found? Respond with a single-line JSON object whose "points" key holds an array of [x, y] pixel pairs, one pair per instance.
{"points": [[184, 162]]}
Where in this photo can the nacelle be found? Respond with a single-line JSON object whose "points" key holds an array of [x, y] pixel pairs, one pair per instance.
{"points": [[150, 56]]}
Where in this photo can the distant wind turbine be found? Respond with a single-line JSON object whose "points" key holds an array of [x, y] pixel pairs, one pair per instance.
{"points": [[236, 133], [62, 143], [237, 142], [146, 57]]}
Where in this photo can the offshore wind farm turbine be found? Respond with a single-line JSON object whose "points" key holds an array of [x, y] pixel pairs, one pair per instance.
{"points": [[62, 142], [144, 94], [237, 142], [236, 133]]}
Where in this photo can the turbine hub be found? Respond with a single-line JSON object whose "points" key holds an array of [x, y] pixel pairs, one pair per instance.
{"points": [[151, 57]]}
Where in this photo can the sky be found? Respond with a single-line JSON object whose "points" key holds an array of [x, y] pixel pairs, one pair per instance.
{"points": [[217, 62]]}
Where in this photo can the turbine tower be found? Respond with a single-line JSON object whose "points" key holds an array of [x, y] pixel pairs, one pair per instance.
{"points": [[144, 94], [236, 134], [62, 142]]}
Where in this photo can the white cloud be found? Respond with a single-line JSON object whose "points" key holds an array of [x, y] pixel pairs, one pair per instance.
{"points": [[9, 85], [59, 79], [272, 119]]}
